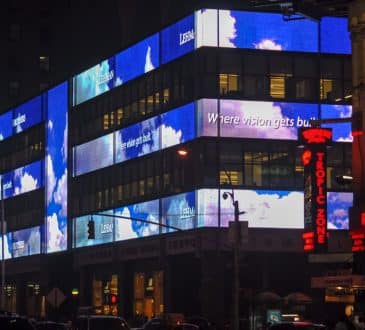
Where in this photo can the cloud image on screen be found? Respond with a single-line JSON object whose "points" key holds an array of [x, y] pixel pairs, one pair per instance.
{"points": [[7, 246], [179, 211], [207, 208], [7, 184], [56, 169], [137, 60], [27, 178], [338, 204], [255, 30], [261, 120], [206, 22], [341, 131], [129, 227], [177, 126], [26, 242], [266, 208], [137, 140]]}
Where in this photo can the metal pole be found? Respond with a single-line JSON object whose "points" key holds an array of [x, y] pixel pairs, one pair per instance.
{"points": [[2, 248], [236, 275]]}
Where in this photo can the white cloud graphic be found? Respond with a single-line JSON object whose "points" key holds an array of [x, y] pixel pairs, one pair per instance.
{"points": [[169, 136], [227, 29], [27, 183], [60, 195], [123, 227], [56, 239], [50, 125], [148, 65], [7, 254], [64, 146], [51, 179], [268, 44], [1, 137]]}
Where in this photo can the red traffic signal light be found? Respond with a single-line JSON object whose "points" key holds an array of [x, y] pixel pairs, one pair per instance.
{"points": [[91, 229], [113, 299]]}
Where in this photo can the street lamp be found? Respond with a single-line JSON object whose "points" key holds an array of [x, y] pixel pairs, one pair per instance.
{"points": [[235, 232]]}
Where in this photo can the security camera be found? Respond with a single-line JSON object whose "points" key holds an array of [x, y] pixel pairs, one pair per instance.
{"points": [[225, 195]]}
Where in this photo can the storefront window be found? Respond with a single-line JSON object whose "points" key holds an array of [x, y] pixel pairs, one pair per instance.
{"points": [[105, 296]]}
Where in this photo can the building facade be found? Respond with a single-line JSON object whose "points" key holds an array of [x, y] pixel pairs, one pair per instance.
{"points": [[98, 198]]}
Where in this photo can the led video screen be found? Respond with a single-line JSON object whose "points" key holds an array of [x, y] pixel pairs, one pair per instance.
{"points": [[104, 229], [255, 119], [206, 22], [27, 115], [208, 208], [179, 212], [22, 179], [56, 169], [178, 126], [26, 242], [335, 36], [6, 125], [178, 39], [94, 81], [94, 154], [7, 246], [338, 204], [127, 224], [137, 60], [341, 131], [137, 140], [269, 31]]}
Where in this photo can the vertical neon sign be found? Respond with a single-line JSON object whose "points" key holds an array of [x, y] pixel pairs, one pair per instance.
{"points": [[314, 159]]}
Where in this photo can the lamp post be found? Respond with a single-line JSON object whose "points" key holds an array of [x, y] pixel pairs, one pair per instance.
{"points": [[235, 227]]}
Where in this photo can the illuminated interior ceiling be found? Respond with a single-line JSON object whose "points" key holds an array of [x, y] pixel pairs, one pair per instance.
{"points": [[304, 8]]}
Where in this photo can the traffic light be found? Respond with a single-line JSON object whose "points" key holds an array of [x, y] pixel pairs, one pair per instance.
{"points": [[91, 229]]}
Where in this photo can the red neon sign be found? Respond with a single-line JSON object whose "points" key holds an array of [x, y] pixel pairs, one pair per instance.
{"points": [[306, 157], [308, 238], [317, 135], [358, 240], [321, 199]]}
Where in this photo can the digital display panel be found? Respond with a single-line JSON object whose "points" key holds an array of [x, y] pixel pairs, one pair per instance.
{"points": [[94, 81], [137, 60], [269, 31], [27, 178], [137, 140], [6, 125], [178, 126], [255, 119], [178, 39], [338, 204], [179, 212], [8, 184], [335, 37], [127, 224], [206, 22], [56, 169], [27, 115], [208, 208], [104, 228], [26, 242], [94, 154], [341, 132], [265, 208], [7, 246]]}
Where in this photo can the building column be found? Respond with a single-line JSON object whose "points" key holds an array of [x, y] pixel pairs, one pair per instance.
{"points": [[213, 287], [357, 28]]}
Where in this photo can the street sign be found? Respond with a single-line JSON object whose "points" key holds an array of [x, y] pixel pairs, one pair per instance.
{"points": [[55, 297]]}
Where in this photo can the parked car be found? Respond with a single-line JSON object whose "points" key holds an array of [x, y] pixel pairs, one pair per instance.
{"points": [[51, 325], [297, 325], [100, 322], [163, 323], [15, 322]]}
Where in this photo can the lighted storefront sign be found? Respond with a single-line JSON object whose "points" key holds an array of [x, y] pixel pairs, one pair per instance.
{"points": [[314, 158]]}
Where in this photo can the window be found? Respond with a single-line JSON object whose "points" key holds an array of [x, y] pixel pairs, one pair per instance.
{"points": [[14, 32], [44, 63]]}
